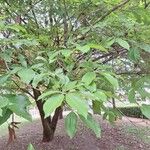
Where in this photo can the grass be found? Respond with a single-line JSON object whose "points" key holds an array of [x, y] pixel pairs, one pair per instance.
{"points": [[142, 133]]}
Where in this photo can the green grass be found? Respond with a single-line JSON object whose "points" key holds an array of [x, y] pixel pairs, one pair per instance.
{"points": [[143, 133]]}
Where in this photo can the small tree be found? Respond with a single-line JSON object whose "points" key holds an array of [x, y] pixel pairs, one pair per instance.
{"points": [[59, 53]]}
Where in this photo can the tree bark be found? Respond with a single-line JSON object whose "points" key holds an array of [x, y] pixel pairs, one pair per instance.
{"points": [[61, 113], [49, 125]]}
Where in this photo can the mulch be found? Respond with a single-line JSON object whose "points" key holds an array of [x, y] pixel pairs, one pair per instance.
{"points": [[113, 138]]}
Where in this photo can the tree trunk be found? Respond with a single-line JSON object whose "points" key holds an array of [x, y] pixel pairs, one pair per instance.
{"points": [[49, 125], [114, 106], [61, 113]]}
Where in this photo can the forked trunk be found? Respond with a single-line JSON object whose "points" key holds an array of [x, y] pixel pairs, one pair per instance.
{"points": [[49, 125]]}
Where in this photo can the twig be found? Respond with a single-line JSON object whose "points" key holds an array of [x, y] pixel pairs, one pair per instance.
{"points": [[111, 11]]}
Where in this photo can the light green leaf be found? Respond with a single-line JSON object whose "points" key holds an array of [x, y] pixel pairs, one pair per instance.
{"points": [[41, 58], [88, 77], [69, 86], [66, 52], [26, 75], [75, 101], [131, 96], [52, 103], [111, 79], [71, 124], [146, 110], [3, 101], [48, 93], [22, 60], [21, 100], [83, 49], [37, 79], [30, 147], [5, 115], [100, 96], [123, 43], [92, 124], [4, 78], [20, 111], [98, 47], [18, 104], [17, 28], [145, 47]]}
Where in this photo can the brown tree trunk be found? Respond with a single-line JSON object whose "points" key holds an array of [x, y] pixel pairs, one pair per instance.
{"points": [[114, 106], [49, 125], [61, 113]]}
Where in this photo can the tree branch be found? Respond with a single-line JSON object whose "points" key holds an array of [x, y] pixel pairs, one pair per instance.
{"points": [[112, 10]]}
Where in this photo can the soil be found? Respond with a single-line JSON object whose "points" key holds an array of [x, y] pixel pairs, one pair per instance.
{"points": [[113, 137]]}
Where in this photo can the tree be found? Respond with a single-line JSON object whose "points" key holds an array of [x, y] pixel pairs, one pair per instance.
{"points": [[70, 52]]}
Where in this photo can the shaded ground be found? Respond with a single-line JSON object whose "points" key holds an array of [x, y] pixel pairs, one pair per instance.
{"points": [[121, 136]]}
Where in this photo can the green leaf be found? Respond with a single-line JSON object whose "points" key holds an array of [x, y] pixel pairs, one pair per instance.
{"points": [[70, 86], [48, 93], [71, 124], [20, 111], [26, 75], [21, 100], [146, 110], [92, 124], [17, 28], [134, 54], [131, 96], [145, 47], [88, 77], [92, 87], [66, 52], [111, 117], [3, 102], [18, 104], [75, 101], [83, 49], [37, 79], [4, 78], [30, 147], [1, 111], [97, 46], [96, 105], [111, 79], [100, 96], [5, 115], [52, 103], [22, 60], [123, 43]]}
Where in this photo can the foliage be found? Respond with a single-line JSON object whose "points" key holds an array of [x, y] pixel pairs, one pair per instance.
{"points": [[73, 52], [131, 112]]}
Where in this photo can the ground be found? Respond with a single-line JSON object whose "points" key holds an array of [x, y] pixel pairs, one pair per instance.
{"points": [[128, 134]]}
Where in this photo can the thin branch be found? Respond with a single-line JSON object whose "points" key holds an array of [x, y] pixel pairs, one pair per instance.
{"points": [[112, 10], [133, 73], [22, 89]]}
